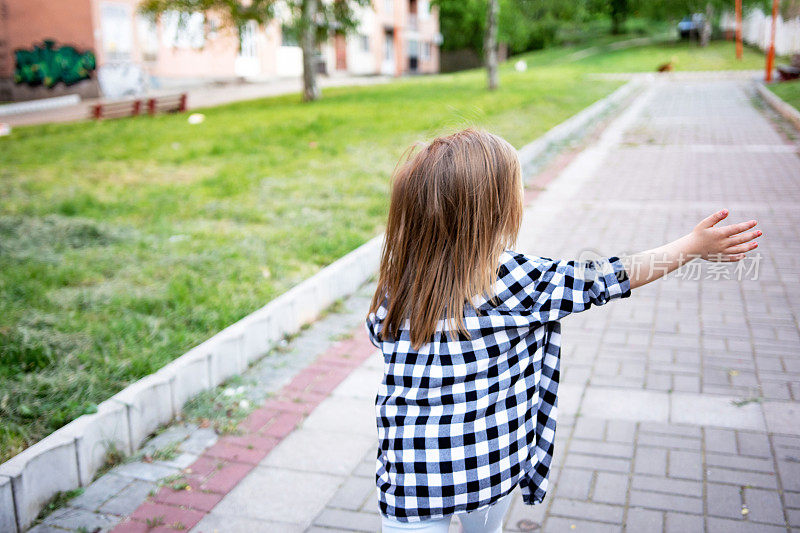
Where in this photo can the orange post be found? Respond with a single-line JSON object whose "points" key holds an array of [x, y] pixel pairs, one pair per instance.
{"points": [[771, 51], [739, 30]]}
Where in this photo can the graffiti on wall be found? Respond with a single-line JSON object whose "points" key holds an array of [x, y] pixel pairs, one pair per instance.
{"points": [[47, 65]]}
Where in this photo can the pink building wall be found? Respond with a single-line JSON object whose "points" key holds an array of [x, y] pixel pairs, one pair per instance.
{"points": [[85, 25]]}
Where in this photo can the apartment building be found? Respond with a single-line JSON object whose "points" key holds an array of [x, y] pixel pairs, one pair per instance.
{"points": [[111, 49]]}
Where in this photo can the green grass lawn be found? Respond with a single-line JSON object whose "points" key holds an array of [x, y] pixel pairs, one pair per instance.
{"points": [[124, 243], [789, 91]]}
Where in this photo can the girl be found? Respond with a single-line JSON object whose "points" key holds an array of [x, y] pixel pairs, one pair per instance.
{"points": [[470, 334]]}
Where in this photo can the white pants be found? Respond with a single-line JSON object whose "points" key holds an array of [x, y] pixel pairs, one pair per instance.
{"points": [[489, 520]]}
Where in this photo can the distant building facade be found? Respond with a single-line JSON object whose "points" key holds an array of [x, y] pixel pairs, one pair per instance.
{"points": [[111, 49]]}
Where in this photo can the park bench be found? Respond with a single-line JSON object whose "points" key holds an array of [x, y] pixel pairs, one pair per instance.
{"points": [[171, 103], [790, 72]]}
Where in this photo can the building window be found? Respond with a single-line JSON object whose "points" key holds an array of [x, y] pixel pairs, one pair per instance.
{"points": [[289, 35], [388, 47], [423, 9], [183, 30], [426, 51], [148, 36], [363, 43], [247, 39], [388, 6]]}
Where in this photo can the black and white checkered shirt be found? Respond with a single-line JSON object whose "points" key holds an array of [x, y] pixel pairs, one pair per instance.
{"points": [[461, 422]]}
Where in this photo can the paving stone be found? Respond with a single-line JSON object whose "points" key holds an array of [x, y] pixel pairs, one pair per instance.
{"points": [[741, 478], [610, 488], [790, 474], [724, 500], [668, 485], [590, 428], [144, 471], [620, 431], [100, 491], [669, 441], [683, 464], [557, 524], [577, 509], [764, 506], [666, 502], [74, 518], [740, 462], [354, 493], [283, 496], [650, 460], [348, 520], [723, 525], [705, 410], [794, 517], [755, 444], [302, 450], [683, 523], [609, 449], [574, 483], [577, 460], [220, 523], [129, 498], [721, 440], [642, 520], [625, 404]]}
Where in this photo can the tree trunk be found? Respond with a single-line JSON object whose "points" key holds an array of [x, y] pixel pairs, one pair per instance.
{"points": [[705, 33], [308, 38], [619, 14], [490, 44]]}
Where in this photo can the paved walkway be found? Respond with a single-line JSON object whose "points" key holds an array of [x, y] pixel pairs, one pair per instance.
{"points": [[199, 97], [680, 407]]}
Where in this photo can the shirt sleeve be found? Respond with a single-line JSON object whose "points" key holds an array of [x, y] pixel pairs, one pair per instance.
{"points": [[552, 289], [375, 324]]}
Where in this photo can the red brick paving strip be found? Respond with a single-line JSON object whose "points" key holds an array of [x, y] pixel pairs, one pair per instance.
{"points": [[181, 504]]}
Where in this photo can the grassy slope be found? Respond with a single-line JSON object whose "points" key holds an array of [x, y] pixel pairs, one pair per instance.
{"points": [[789, 91], [123, 243]]}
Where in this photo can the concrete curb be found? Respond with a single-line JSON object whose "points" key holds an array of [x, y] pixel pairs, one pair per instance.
{"points": [[42, 104], [69, 457], [779, 105]]}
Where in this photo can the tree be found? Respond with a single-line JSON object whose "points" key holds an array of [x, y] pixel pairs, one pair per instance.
{"points": [[308, 42], [490, 44], [315, 21]]}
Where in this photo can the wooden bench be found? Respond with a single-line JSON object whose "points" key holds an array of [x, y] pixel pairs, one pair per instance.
{"points": [[170, 103], [790, 72]]}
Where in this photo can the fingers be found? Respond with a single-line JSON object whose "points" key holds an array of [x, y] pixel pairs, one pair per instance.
{"points": [[713, 219], [734, 229], [743, 237], [730, 258], [741, 248]]}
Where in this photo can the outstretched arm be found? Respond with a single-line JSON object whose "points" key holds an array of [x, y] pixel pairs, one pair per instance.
{"points": [[724, 243]]}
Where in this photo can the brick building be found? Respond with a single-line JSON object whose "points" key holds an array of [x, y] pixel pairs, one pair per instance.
{"points": [[130, 52]]}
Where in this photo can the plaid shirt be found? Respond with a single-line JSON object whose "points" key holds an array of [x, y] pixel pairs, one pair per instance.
{"points": [[461, 422]]}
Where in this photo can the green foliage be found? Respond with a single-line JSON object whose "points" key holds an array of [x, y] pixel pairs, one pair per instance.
{"points": [[47, 65], [789, 91]]}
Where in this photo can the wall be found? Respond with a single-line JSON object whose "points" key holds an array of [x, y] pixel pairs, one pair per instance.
{"points": [[757, 27], [28, 23]]}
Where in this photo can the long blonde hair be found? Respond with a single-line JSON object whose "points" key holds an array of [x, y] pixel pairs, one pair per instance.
{"points": [[456, 205]]}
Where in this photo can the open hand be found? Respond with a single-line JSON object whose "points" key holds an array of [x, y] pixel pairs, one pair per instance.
{"points": [[723, 243]]}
